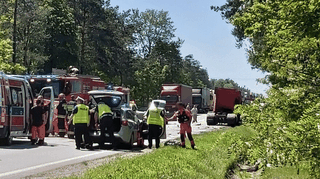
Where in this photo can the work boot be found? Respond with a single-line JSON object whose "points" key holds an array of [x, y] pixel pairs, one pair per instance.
{"points": [[182, 145], [193, 147], [83, 146], [41, 142], [89, 147], [33, 141]]}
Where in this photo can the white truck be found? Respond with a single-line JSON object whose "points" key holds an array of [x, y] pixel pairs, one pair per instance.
{"points": [[201, 97]]}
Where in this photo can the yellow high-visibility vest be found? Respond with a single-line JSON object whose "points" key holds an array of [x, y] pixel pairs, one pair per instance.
{"points": [[82, 116], [155, 118], [103, 108]]}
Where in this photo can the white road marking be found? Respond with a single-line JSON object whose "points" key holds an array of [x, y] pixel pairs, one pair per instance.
{"points": [[47, 164]]}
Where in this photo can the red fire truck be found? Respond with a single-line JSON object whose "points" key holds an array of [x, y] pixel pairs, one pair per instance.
{"points": [[16, 100], [77, 85]]}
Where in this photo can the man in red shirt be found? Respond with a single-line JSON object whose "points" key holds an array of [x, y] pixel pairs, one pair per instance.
{"points": [[184, 118]]}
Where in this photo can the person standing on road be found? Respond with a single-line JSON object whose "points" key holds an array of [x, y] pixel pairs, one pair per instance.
{"points": [[105, 116], [60, 124], [80, 118], [155, 123], [38, 123], [184, 118], [194, 112]]}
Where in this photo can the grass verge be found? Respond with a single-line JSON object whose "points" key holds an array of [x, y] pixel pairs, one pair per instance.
{"points": [[285, 172], [210, 160]]}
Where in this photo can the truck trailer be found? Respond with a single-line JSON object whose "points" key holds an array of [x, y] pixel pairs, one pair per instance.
{"points": [[225, 100], [201, 98], [173, 93]]}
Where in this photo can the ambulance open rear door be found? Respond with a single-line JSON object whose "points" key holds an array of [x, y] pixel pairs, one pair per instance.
{"points": [[48, 96]]}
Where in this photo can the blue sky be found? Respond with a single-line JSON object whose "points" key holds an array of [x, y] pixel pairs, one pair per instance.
{"points": [[207, 36]]}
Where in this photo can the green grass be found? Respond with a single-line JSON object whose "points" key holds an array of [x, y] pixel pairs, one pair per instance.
{"points": [[211, 160], [285, 173]]}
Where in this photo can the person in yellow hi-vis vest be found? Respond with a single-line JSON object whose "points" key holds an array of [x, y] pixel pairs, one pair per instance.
{"points": [[81, 120], [105, 116], [155, 122]]}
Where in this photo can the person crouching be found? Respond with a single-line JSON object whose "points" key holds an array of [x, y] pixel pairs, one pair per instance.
{"points": [[38, 128]]}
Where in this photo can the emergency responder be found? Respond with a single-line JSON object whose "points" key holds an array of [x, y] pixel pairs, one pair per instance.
{"points": [[194, 112], [105, 116], [80, 118], [155, 123], [184, 118], [46, 108], [61, 114], [38, 128], [70, 105]]}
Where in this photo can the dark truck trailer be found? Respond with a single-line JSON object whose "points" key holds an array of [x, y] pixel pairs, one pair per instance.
{"points": [[225, 100], [173, 93], [201, 98]]}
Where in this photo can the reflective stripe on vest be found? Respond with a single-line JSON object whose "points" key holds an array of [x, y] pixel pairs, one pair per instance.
{"points": [[103, 108], [155, 117], [82, 116]]}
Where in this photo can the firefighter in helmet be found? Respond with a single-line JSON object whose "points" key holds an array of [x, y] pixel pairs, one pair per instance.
{"points": [[61, 114], [80, 118], [105, 117]]}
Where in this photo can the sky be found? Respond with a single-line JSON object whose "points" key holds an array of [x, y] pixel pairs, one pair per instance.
{"points": [[206, 36]]}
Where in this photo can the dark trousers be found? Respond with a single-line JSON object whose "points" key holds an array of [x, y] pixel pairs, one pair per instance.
{"points": [[107, 122], [79, 130], [61, 123], [154, 133]]}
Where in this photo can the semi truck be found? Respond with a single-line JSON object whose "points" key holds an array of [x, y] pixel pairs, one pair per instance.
{"points": [[225, 100], [173, 93], [201, 97]]}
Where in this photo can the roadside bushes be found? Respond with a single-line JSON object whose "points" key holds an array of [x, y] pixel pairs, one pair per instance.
{"points": [[287, 126]]}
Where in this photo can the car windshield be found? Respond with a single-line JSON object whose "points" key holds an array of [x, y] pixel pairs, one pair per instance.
{"points": [[37, 85], [196, 100], [110, 100]]}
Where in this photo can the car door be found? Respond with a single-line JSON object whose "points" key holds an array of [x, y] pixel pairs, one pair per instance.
{"points": [[48, 96], [17, 109]]}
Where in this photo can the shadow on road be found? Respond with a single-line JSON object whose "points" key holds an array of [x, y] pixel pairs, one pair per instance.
{"points": [[19, 144], [135, 148]]}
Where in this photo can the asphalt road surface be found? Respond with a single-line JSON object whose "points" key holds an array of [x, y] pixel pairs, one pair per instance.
{"points": [[23, 159]]}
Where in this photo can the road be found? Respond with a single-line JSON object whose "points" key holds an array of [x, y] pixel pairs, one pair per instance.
{"points": [[22, 159]]}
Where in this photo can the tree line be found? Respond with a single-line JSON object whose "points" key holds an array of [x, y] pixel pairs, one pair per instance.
{"points": [[131, 48], [284, 43]]}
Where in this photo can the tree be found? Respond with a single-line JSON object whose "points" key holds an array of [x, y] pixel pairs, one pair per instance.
{"points": [[61, 45], [284, 37], [194, 74], [6, 51], [31, 34], [152, 26]]}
